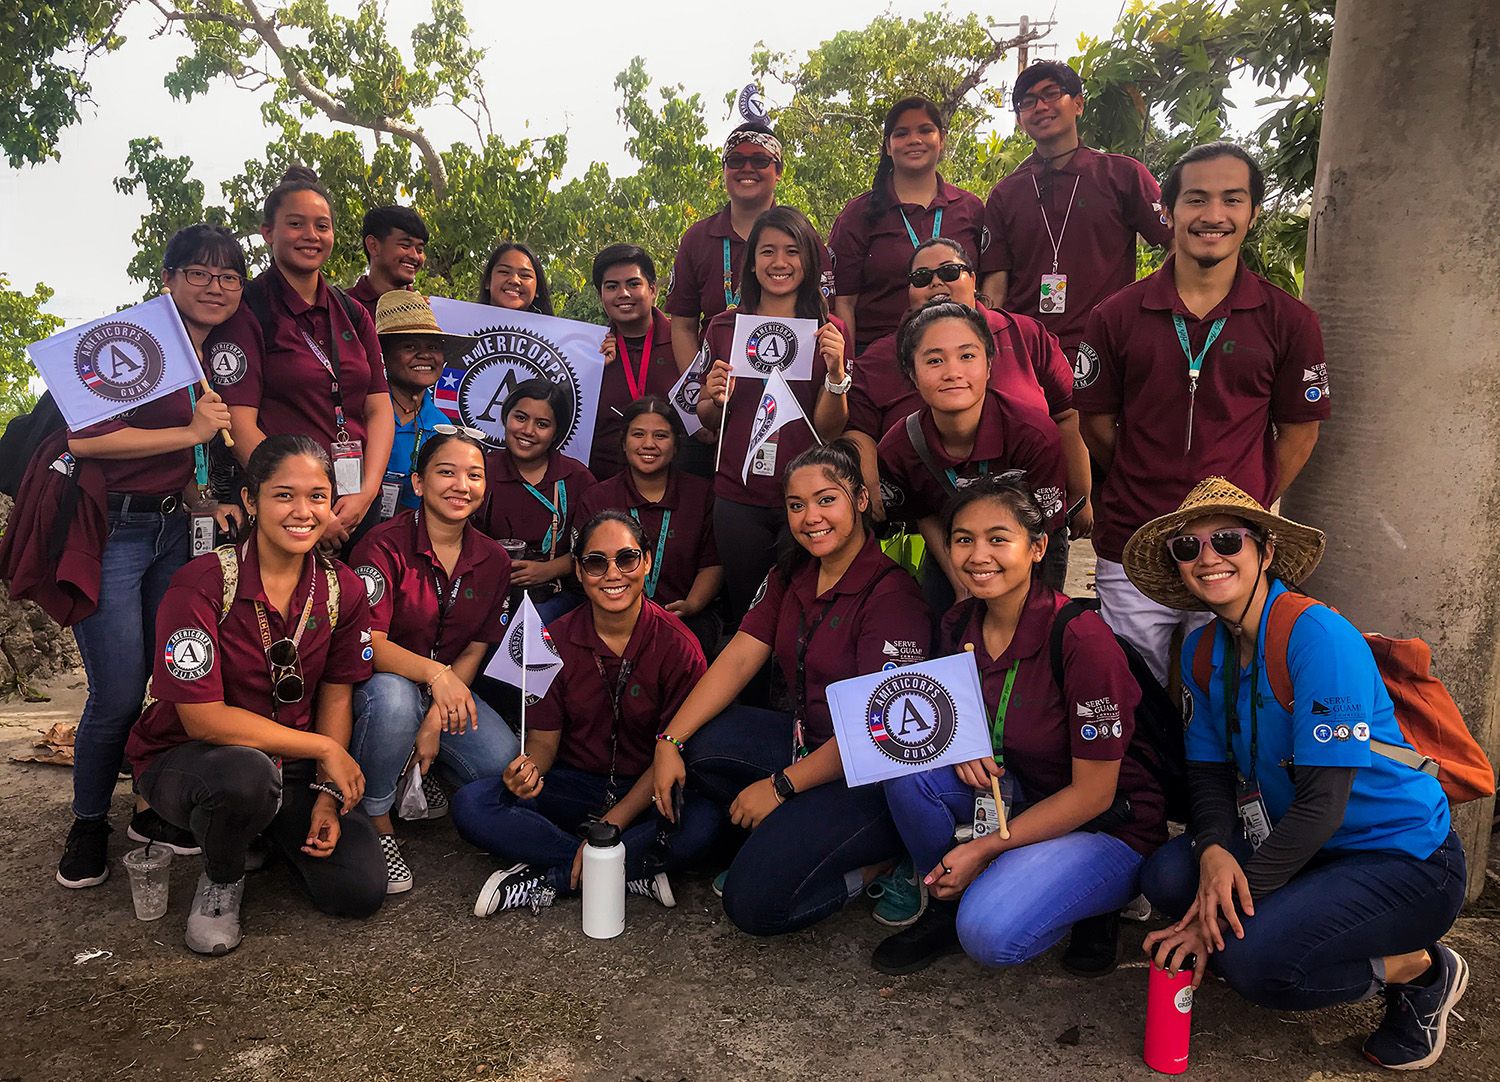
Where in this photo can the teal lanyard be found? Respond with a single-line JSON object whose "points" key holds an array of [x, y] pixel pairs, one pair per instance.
{"points": [[1232, 705], [731, 295], [952, 475], [200, 456], [937, 227], [559, 511], [997, 727], [1195, 364], [661, 548]]}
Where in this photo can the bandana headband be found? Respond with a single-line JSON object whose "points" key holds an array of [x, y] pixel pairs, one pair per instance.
{"points": [[762, 139]]}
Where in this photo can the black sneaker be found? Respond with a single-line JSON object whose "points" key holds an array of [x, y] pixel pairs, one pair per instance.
{"points": [[147, 826], [917, 946], [1415, 1027], [84, 861], [1094, 947], [518, 887]]}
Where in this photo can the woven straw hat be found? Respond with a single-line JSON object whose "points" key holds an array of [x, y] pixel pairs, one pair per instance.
{"points": [[402, 312], [1154, 572]]}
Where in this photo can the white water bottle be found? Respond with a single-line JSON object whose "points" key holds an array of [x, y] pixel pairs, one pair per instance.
{"points": [[603, 882]]}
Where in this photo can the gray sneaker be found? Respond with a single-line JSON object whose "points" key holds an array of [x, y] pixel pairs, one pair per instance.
{"points": [[213, 926]]}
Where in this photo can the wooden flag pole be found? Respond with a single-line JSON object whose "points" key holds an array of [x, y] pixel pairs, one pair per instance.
{"points": [[228, 439]]}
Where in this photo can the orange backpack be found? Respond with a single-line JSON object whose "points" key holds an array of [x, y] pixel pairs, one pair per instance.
{"points": [[1427, 714]]}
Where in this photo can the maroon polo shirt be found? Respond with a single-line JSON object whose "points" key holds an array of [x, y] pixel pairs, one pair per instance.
{"points": [[605, 458], [1011, 437], [1029, 368], [695, 289], [870, 258], [689, 545], [155, 475], [283, 378], [511, 511], [874, 617], [416, 603], [791, 440], [1092, 716], [665, 662], [1265, 368], [202, 659], [364, 292], [1117, 198]]}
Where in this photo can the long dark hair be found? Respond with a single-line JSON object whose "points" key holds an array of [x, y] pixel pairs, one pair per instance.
{"points": [[792, 222], [542, 302], [839, 459], [880, 193], [543, 390]]}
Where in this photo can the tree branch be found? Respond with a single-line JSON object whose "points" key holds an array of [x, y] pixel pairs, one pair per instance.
{"points": [[976, 76], [335, 110]]}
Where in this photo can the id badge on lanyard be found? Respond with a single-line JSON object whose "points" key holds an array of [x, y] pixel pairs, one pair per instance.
{"points": [[1052, 299], [348, 465], [390, 495], [1255, 820], [203, 526], [764, 462]]}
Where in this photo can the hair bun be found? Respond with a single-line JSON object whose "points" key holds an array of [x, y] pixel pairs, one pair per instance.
{"points": [[299, 174]]}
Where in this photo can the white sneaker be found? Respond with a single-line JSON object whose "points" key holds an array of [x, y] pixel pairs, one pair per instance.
{"points": [[213, 925], [657, 887], [518, 887], [398, 877]]}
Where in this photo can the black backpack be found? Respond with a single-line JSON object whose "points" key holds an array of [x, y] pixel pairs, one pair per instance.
{"points": [[22, 437], [1159, 743]]}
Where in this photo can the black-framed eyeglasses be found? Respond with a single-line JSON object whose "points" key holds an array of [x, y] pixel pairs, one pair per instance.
{"points": [[229, 281], [454, 430], [1048, 94], [739, 161], [1185, 548], [596, 564], [286, 682], [948, 272]]}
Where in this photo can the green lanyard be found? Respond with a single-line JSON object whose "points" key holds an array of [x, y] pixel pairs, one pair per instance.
{"points": [[200, 456], [1232, 706], [937, 226], [997, 727], [661, 549], [1195, 364], [731, 296]]}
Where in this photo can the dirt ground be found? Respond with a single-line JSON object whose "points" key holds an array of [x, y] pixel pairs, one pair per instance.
{"points": [[426, 991]]}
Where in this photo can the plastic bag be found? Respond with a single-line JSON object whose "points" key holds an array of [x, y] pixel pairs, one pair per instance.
{"points": [[413, 801]]}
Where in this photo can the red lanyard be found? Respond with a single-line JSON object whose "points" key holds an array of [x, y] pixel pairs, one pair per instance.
{"points": [[637, 384]]}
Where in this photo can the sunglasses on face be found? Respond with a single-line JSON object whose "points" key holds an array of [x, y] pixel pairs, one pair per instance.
{"points": [[757, 161], [454, 430], [286, 681], [596, 565], [948, 272], [1185, 548]]}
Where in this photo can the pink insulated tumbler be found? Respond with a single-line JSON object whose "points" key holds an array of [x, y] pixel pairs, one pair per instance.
{"points": [[1169, 1018]]}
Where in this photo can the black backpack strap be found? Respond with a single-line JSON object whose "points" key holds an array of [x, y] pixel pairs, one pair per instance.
{"points": [[924, 452], [1060, 622], [260, 307]]}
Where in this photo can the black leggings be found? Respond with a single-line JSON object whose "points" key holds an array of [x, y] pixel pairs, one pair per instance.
{"points": [[227, 795]]}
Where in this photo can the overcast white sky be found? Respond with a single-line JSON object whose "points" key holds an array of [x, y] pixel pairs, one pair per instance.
{"points": [[550, 67]]}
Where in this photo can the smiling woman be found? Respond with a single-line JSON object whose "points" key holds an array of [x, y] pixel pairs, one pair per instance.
{"points": [[513, 278]]}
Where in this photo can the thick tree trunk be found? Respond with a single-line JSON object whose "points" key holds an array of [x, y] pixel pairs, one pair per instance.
{"points": [[1404, 269]]}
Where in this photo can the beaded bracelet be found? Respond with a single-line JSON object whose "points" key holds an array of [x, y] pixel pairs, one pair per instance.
{"points": [[328, 788], [670, 739]]}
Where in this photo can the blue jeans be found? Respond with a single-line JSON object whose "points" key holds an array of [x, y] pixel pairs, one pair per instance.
{"points": [[117, 643], [558, 605], [1027, 898], [1318, 941], [388, 710], [545, 830], [795, 868]]}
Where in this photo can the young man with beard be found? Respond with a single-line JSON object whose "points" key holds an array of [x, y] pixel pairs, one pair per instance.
{"points": [[1202, 369], [395, 240], [1059, 232]]}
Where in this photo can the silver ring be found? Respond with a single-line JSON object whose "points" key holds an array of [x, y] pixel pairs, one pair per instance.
{"points": [[946, 870]]}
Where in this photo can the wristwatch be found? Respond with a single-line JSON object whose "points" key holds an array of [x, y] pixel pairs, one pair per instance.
{"points": [[785, 790], [842, 386]]}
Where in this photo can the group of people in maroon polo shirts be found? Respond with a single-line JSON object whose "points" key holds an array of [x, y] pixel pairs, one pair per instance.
{"points": [[979, 369]]}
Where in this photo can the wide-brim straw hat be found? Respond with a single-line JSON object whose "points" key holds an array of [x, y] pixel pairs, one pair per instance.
{"points": [[1154, 572], [402, 312]]}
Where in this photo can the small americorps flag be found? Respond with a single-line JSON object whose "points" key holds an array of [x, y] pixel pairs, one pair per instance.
{"points": [[526, 659], [687, 388], [910, 719], [102, 369], [778, 408]]}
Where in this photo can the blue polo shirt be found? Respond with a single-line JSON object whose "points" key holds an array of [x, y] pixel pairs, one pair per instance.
{"points": [[1339, 703], [408, 441]]}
